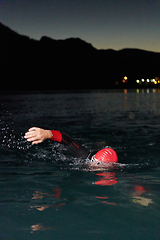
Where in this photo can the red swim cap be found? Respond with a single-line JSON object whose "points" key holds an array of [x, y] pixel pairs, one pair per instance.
{"points": [[106, 155]]}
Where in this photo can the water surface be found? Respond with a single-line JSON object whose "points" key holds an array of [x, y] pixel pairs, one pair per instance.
{"points": [[46, 193]]}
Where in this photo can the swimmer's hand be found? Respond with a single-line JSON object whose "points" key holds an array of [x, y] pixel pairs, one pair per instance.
{"points": [[37, 135]]}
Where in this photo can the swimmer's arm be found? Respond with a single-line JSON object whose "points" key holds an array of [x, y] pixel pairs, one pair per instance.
{"points": [[37, 135]]}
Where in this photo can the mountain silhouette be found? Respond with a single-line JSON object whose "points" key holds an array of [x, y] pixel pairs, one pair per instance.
{"points": [[48, 64]]}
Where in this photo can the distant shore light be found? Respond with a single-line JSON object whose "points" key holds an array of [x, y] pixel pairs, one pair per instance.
{"points": [[125, 79]]}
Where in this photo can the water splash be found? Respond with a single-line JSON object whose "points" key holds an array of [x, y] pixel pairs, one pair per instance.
{"points": [[11, 141]]}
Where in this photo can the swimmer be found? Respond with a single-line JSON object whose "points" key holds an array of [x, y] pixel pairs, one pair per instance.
{"points": [[97, 160]]}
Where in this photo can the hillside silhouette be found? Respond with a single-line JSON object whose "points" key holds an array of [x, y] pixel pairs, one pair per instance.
{"points": [[48, 64]]}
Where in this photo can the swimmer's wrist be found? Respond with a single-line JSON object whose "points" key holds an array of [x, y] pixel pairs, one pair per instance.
{"points": [[49, 134]]}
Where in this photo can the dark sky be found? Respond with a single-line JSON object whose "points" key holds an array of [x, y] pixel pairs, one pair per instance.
{"points": [[106, 24]]}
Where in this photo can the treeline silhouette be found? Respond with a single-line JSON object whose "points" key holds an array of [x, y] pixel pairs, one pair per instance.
{"points": [[47, 64]]}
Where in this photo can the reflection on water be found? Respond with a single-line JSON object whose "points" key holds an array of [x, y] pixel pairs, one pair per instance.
{"points": [[106, 202], [142, 200], [106, 179], [56, 195], [39, 227], [138, 199]]}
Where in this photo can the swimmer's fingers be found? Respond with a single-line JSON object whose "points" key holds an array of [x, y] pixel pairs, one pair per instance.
{"points": [[37, 135], [37, 142], [33, 135], [33, 129], [29, 135], [34, 140], [32, 132]]}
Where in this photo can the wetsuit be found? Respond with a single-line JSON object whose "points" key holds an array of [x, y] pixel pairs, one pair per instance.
{"points": [[73, 146], [105, 155]]}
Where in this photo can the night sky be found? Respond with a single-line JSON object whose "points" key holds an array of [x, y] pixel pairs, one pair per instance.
{"points": [[105, 24]]}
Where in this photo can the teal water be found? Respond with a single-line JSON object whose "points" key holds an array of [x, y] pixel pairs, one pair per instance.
{"points": [[46, 193]]}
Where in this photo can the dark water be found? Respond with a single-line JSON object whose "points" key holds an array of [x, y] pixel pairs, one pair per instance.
{"points": [[45, 192]]}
